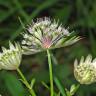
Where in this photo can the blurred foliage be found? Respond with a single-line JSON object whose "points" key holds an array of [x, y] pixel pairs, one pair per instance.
{"points": [[77, 15]]}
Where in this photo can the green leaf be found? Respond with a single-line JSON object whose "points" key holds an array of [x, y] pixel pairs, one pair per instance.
{"points": [[13, 85], [63, 14], [21, 11], [45, 85], [60, 87], [32, 82], [92, 43]]}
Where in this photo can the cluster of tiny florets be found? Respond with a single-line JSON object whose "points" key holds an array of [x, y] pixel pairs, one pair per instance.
{"points": [[10, 59], [85, 71], [44, 34]]}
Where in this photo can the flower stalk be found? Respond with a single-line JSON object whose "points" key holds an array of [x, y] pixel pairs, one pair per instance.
{"points": [[50, 73], [26, 83]]}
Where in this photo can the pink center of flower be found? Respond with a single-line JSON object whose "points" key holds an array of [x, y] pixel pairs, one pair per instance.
{"points": [[46, 42]]}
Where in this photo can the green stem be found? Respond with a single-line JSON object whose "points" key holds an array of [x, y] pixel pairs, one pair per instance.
{"points": [[26, 82], [50, 72]]}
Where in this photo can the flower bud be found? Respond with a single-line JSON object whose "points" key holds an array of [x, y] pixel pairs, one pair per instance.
{"points": [[85, 71], [10, 59]]}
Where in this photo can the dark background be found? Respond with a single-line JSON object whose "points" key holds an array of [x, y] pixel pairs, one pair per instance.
{"points": [[78, 15]]}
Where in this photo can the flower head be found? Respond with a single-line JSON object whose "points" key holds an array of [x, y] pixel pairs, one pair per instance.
{"points": [[10, 58], [46, 34], [85, 71]]}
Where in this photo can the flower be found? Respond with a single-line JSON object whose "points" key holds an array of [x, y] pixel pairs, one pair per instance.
{"points": [[10, 59], [46, 34], [85, 71]]}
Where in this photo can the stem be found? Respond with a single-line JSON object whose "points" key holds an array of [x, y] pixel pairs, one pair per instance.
{"points": [[50, 72], [26, 82]]}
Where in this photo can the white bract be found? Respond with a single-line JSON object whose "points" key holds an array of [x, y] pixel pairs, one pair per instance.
{"points": [[46, 34], [10, 59], [85, 71]]}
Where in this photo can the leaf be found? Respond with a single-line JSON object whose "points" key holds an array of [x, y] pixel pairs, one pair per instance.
{"points": [[13, 85], [45, 85], [32, 82], [21, 11], [63, 14], [6, 9], [92, 43], [60, 87], [88, 19]]}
